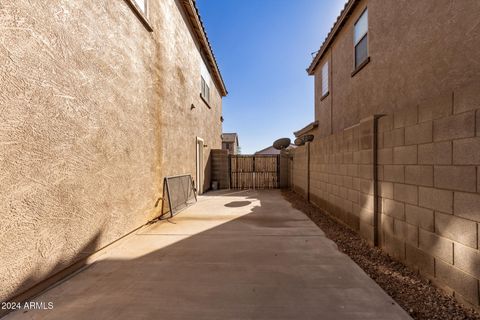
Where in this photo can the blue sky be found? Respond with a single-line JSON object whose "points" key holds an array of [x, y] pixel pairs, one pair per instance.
{"points": [[263, 48]]}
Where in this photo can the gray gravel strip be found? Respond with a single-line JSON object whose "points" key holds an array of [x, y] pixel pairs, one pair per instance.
{"points": [[416, 295]]}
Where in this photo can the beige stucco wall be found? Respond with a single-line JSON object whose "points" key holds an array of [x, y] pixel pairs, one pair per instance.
{"points": [[300, 170], [184, 115], [418, 50], [95, 111]]}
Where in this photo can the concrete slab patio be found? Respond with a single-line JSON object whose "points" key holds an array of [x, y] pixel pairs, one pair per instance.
{"points": [[236, 255]]}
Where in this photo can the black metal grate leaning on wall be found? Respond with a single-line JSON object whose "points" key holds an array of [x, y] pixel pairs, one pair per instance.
{"points": [[178, 193]]}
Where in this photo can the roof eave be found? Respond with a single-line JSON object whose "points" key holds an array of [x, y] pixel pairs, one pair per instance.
{"points": [[199, 29], [337, 26], [306, 129], [265, 149], [234, 135]]}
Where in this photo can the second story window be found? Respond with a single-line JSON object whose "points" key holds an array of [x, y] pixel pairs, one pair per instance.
{"points": [[360, 39], [141, 5], [205, 91], [206, 84], [325, 79], [140, 8]]}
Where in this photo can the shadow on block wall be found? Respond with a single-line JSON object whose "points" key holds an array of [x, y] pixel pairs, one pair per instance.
{"points": [[428, 178]]}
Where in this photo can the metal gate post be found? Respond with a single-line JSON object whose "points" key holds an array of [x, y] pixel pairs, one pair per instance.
{"points": [[278, 171], [307, 146], [253, 173], [229, 168], [169, 199]]}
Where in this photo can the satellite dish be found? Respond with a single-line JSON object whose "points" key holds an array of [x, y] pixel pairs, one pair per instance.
{"points": [[299, 142], [281, 144], [308, 138]]}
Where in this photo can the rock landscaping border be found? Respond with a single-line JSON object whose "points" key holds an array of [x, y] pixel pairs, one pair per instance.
{"points": [[417, 295]]}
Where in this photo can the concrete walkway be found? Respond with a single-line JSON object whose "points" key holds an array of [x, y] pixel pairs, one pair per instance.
{"points": [[240, 255]]}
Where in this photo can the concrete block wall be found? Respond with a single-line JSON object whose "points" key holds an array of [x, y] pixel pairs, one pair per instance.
{"points": [[424, 193], [300, 170], [290, 155], [429, 189], [340, 176], [220, 168], [284, 168]]}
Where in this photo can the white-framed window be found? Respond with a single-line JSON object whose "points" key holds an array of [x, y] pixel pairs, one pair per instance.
{"points": [[325, 79], [206, 84], [140, 9], [142, 5], [205, 90], [360, 39]]}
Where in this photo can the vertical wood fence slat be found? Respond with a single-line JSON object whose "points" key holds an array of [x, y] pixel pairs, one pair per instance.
{"points": [[249, 171]]}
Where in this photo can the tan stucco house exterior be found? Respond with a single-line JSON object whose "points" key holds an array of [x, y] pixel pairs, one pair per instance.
{"points": [[99, 101], [230, 143], [406, 51]]}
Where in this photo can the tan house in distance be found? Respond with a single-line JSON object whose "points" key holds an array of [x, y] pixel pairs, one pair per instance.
{"points": [[396, 149], [230, 143], [100, 100], [272, 151]]}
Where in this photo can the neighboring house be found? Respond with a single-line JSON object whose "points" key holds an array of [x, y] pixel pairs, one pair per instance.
{"points": [[308, 129], [396, 153], [100, 100], [230, 143], [381, 55], [272, 151]]}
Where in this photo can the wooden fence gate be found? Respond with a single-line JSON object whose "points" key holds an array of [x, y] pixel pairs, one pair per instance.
{"points": [[254, 171]]}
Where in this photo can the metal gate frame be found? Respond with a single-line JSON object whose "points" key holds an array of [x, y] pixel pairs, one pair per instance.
{"points": [[173, 209]]}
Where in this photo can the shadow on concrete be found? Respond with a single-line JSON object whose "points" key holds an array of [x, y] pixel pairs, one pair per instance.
{"points": [[237, 204], [34, 284], [267, 262]]}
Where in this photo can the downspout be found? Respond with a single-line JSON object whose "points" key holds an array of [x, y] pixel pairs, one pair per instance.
{"points": [[376, 198], [331, 89], [307, 147]]}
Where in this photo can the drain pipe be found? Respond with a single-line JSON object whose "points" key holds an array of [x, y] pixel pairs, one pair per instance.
{"points": [[376, 198], [307, 150]]}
